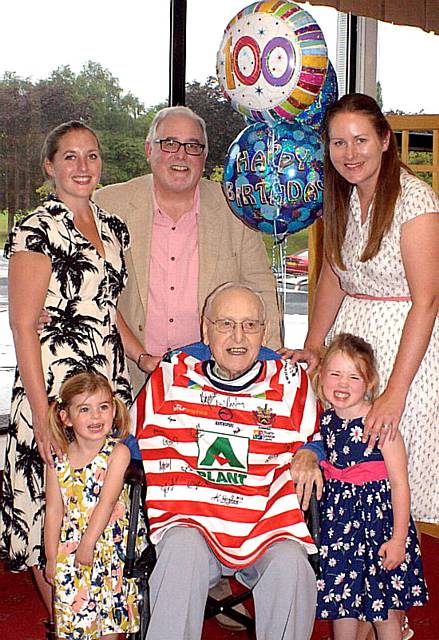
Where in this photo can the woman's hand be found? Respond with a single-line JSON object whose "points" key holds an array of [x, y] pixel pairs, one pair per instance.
{"points": [[310, 356], [383, 418], [392, 553], [46, 446]]}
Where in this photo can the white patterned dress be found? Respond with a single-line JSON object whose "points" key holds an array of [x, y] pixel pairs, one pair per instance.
{"points": [[82, 296], [381, 323], [92, 602]]}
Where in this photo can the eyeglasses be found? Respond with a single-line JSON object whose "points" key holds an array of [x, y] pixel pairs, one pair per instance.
{"points": [[172, 146], [224, 325]]}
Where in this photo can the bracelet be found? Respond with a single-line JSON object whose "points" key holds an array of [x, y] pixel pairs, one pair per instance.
{"points": [[139, 359]]}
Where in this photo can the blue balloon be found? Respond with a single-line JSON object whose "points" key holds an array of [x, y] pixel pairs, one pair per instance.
{"points": [[273, 177], [314, 116]]}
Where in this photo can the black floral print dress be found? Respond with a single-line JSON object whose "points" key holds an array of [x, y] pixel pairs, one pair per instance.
{"points": [[82, 335]]}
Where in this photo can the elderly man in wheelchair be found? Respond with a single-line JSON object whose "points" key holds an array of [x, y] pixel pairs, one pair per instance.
{"points": [[223, 448]]}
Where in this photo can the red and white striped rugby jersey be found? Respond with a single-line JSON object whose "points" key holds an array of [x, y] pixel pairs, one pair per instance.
{"points": [[219, 460]]}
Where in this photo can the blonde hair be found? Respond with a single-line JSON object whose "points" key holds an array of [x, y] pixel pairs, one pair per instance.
{"points": [[361, 354], [91, 383]]}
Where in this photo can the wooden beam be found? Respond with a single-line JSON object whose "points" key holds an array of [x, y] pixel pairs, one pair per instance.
{"points": [[177, 53], [315, 258]]}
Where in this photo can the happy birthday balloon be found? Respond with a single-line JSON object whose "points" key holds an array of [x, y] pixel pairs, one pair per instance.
{"points": [[272, 61], [273, 177]]}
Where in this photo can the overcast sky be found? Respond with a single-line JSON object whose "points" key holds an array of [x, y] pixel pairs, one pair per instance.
{"points": [[131, 39]]}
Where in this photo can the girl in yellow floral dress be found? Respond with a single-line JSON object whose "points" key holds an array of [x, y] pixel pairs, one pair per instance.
{"points": [[87, 513]]}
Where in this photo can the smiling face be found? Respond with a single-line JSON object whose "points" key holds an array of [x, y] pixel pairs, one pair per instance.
{"points": [[234, 352], [176, 173], [356, 149], [344, 386], [90, 415], [75, 167]]}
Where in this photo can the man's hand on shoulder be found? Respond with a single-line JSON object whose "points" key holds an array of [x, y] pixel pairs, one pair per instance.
{"points": [[306, 473], [45, 318], [147, 363]]}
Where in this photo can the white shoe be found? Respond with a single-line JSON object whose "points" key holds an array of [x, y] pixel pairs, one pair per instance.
{"points": [[407, 633]]}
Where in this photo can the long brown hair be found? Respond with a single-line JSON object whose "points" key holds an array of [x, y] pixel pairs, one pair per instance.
{"points": [[338, 190], [86, 382]]}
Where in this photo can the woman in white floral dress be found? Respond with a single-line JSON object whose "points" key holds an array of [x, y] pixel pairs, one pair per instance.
{"points": [[380, 281]]}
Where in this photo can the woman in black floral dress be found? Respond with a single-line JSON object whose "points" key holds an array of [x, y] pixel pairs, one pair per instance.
{"points": [[68, 257]]}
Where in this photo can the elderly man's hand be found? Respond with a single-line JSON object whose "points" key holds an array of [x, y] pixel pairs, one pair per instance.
{"points": [[306, 473]]}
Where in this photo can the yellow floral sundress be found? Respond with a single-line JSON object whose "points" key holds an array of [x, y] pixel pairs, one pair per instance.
{"points": [[90, 602]]}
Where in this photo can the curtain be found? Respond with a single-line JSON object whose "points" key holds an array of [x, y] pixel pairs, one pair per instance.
{"points": [[413, 13]]}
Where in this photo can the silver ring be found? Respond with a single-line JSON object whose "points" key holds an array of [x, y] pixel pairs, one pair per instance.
{"points": [[386, 426]]}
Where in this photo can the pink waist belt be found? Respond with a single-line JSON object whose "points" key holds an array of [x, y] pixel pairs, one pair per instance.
{"points": [[364, 296], [357, 474]]}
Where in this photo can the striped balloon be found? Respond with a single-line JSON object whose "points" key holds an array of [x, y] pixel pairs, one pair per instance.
{"points": [[272, 61]]}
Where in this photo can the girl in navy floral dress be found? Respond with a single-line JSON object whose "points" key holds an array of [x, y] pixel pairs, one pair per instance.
{"points": [[370, 556]]}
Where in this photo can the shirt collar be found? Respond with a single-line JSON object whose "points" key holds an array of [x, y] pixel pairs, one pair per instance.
{"points": [[160, 214], [237, 384]]}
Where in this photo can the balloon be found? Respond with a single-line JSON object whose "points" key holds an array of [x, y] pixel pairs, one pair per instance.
{"points": [[272, 61], [314, 116], [273, 177]]}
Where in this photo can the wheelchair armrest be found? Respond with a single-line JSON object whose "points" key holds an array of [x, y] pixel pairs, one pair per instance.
{"points": [[312, 519], [135, 475]]}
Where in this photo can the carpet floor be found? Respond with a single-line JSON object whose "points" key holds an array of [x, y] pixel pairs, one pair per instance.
{"points": [[22, 613]]}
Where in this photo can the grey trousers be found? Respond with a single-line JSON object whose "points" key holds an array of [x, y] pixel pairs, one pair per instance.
{"points": [[283, 583]]}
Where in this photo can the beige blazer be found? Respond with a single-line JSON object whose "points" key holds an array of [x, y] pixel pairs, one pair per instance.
{"points": [[228, 250]]}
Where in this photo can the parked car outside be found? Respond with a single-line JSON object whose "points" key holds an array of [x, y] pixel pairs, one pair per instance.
{"points": [[297, 262], [293, 283]]}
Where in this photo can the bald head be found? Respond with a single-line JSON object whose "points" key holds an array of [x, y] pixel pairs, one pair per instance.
{"points": [[232, 286]]}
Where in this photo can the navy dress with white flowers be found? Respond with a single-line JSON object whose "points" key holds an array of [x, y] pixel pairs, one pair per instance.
{"points": [[356, 520]]}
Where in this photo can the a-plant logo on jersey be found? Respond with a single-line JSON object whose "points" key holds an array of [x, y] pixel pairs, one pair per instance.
{"points": [[222, 458]]}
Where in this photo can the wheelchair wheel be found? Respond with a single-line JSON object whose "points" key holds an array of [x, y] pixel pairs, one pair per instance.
{"points": [[144, 613], [143, 606]]}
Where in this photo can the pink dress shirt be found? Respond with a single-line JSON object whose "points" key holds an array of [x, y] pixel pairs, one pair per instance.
{"points": [[173, 317]]}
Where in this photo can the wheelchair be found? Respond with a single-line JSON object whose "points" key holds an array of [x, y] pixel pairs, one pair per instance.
{"points": [[140, 568]]}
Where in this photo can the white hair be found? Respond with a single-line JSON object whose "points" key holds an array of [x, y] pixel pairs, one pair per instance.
{"points": [[177, 111]]}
